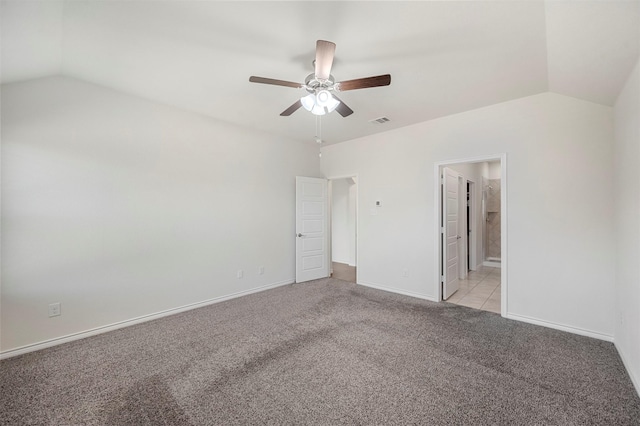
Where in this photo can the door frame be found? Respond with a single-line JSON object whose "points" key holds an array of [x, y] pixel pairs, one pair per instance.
{"points": [[330, 226], [504, 277]]}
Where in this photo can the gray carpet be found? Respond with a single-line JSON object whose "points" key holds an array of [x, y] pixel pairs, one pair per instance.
{"points": [[324, 352]]}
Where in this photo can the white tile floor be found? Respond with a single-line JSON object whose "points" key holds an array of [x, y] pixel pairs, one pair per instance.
{"points": [[480, 290]]}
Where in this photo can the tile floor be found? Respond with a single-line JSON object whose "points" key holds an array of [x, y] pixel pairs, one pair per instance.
{"points": [[480, 290]]}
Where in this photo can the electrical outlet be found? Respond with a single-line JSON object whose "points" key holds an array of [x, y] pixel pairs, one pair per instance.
{"points": [[54, 309], [405, 273], [261, 270], [239, 274]]}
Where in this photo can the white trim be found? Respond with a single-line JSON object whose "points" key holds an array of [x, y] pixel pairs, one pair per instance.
{"points": [[504, 249], [561, 327], [126, 323], [627, 366], [398, 291], [439, 229], [491, 264], [347, 176], [329, 256], [503, 222]]}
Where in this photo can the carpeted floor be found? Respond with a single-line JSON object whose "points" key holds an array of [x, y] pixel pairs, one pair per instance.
{"points": [[323, 352]]}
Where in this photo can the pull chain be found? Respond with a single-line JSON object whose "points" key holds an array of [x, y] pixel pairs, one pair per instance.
{"points": [[318, 129], [319, 134]]}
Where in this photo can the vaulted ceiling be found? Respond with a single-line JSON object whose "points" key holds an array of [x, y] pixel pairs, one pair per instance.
{"points": [[444, 57]]}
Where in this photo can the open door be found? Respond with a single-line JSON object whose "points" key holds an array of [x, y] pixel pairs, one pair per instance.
{"points": [[449, 232], [311, 229]]}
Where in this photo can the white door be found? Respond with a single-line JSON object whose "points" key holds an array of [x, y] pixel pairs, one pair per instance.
{"points": [[450, 234], [311, 229]]}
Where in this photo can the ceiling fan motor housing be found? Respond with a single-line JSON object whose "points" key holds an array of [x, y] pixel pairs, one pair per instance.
{"points": [[315, 85]]}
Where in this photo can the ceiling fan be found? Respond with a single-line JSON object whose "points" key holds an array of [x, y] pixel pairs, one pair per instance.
{"points": [[322, 86]]}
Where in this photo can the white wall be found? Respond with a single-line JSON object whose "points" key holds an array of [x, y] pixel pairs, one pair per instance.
{"points": [[560, 204], [627, 203], [118, 207], [343, 227], [31, 34], [494, 170]]}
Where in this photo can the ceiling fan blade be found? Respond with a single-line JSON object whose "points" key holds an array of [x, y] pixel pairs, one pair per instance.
{"points": [[293, 108], [363, 83], [324, 58], [343, 109], [264, 80]]}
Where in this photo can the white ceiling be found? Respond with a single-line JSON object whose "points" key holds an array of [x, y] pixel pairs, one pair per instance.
{"points": [[444, 57]]}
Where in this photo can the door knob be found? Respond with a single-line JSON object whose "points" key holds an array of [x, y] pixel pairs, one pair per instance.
{"points": [[300, 235]]}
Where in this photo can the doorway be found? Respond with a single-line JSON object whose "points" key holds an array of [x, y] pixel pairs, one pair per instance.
{"points": [[344, 227], [472, 231], [491, 194]]}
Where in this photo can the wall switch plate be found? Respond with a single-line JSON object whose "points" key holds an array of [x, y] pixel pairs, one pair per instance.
{"points": [[54, 309], [261, 270], [239, 274]]}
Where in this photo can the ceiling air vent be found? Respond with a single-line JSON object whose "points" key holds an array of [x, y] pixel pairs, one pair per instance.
{"points": [[380, 120]]}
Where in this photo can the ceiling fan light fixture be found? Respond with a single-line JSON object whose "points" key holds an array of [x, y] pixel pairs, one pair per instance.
{"points": [[333, 104], [323, 98], [308, 101], [321, 103]]}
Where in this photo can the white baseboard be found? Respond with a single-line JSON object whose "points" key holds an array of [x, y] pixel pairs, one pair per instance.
{"points": [[567, 328], [522, 318], [491, 264], [634, 379], [398, 291], [126, 323], [343, 262]]}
